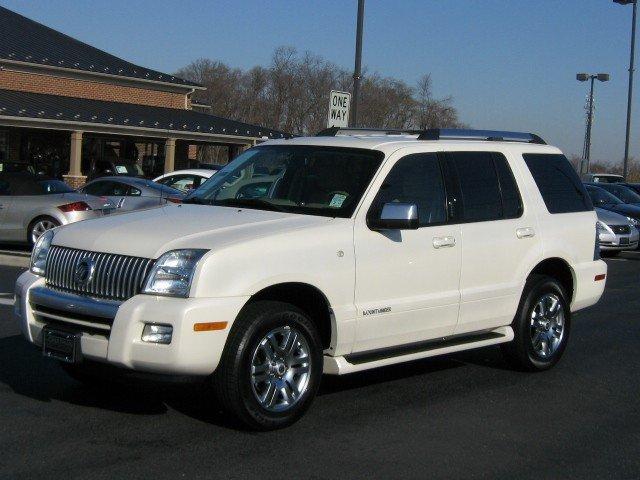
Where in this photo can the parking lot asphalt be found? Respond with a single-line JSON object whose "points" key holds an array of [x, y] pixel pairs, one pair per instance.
{"points": [[460, 416]]}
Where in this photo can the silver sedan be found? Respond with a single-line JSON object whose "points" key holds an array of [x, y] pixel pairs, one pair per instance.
{"points": [[616, 232], [132, 193], [30, 205]]}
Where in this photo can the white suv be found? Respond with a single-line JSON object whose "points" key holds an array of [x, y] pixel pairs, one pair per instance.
{"points": [[331, 254]]}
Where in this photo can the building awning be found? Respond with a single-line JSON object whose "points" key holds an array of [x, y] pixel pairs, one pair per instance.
{"points": [[68, 113]]}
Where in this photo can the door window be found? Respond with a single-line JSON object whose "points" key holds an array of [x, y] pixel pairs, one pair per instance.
{"points": [[415, 179], [106, 188], [479, 186], [183, 183]]}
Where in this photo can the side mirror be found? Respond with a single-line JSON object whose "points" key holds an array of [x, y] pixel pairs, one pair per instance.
{"points": [[395, 216]]}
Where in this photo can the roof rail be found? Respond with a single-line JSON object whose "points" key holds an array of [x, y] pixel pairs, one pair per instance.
{"points": [[490, 135], [334, 131]]}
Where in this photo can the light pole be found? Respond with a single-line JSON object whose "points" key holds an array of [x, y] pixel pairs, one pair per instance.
{"points": [[586, 151], [630, 94], [358, 66]]}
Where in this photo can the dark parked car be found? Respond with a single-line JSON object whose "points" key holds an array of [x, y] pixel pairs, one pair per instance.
{"points": [[131, 193], [620, 190]]}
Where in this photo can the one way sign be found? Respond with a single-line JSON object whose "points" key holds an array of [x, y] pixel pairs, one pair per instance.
{"points": [[339, 103]]}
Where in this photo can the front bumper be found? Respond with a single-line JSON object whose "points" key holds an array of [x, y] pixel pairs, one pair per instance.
{"points": [[120, 344], [619, 242]]}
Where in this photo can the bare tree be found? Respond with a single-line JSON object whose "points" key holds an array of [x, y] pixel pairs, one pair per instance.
{"points": [[292, 94]]}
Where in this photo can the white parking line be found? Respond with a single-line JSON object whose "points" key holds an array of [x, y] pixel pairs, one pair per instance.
{"points": [[6, 301]]}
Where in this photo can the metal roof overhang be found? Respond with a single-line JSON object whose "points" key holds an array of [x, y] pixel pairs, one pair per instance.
{"points": [[35, 110]]}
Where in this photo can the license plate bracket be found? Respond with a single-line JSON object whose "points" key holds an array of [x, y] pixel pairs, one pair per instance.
{"points": [[61, 345]]}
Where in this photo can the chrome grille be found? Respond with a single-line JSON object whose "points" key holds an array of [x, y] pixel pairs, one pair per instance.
{"points": [[116, 277]]}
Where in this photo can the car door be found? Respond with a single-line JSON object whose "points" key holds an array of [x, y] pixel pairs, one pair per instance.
{"points": [[500, 239], [407, 281], [114, 192]]}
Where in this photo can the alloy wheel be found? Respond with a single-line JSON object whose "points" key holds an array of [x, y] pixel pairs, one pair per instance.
{"points": [[39, 228], [281, 369], [547, 325]]}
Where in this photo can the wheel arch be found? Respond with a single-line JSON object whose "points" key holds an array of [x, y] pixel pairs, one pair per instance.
{"points": [[308, 298], [559, 269]]}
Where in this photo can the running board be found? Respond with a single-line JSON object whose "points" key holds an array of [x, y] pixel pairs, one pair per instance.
{"points": [[359, 361]]}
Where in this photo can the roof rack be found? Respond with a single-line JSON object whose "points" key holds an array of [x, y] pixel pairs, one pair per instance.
{"points": [[439, 134], [488, 135], [334, 131]]}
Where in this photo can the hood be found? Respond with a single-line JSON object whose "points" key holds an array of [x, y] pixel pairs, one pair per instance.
{"points": [[626, 209], [611, 218], [149, 233]]}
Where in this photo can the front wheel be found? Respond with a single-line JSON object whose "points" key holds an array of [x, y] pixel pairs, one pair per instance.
{"points": [[541, 326], [270, 370]]}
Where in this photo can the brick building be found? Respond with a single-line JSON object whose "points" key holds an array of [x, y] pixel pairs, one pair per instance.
{"points": [[68, 109]]}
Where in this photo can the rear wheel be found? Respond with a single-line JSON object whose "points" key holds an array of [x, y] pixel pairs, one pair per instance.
{"points": [[40, 225], [541, 326], [610, 253], [271, 367]]}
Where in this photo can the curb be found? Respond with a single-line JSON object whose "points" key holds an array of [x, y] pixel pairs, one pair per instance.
{"points": [[15, 260]]}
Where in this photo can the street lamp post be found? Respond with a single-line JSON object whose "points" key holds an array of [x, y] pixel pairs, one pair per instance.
{"points": [[586, 151], [630, 93]]}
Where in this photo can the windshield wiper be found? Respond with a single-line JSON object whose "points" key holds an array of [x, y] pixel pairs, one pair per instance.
{"points": [[249, 202]]}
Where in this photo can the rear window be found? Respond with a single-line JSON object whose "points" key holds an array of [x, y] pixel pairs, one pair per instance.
{"points": [[559, 184]]}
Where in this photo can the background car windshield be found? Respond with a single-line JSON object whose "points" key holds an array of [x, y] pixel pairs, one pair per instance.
{"points": [[312, 180], [623, 193], [602, 197], [54, 186]]}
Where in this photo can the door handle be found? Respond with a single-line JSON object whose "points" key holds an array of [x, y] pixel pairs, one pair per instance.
{"points": [[443, 242], [525, 232]]}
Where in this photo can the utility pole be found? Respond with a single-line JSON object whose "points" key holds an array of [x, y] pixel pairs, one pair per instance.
{"points": [[630, 95], [358, 67]]}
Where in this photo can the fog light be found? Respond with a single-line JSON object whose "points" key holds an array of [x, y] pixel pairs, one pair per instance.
{"points": [[157, 334]]}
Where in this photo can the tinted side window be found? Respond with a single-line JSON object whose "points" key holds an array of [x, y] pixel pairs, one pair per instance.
{"points": [[4, 187], [479, 185], [558, 183], [511, 200], [415, 179]]}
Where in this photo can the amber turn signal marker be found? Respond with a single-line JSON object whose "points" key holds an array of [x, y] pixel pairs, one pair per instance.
{"points": [[207, 327], [602, 276]]}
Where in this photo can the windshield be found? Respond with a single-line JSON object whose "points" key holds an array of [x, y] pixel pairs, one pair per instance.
{"points": [[602, 197], [54, 186], [312, 180], [623, 193]]}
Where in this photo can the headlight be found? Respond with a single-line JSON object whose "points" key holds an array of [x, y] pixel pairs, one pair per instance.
{"points": [[604, 228], [633, 222], [40, 252], [172, 273]]}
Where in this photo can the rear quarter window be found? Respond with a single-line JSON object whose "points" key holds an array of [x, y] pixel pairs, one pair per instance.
{"points": [[559, 184]]}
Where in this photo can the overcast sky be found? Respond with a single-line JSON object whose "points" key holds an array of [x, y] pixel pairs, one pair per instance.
{"points": [[509, 64]]}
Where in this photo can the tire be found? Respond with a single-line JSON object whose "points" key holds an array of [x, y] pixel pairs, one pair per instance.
{"points": [[38, 226], [610, 253], [256, 375], [538, 322]]}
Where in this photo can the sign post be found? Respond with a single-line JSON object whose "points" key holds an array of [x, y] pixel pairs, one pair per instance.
{"points": [[339, 103]]}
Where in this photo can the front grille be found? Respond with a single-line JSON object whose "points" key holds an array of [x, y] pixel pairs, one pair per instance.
{"points": [[621, 229], [116, 277]]}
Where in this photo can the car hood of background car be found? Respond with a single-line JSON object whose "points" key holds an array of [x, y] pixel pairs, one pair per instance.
{"points": [[149, 233], [611, 218]]}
